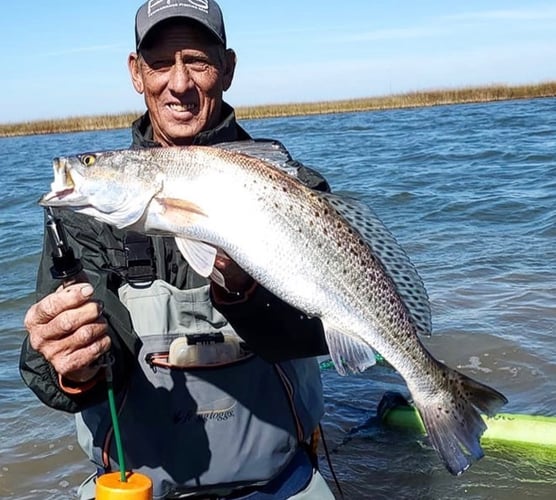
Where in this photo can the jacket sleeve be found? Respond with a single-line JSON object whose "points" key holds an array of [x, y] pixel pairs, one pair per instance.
{"points": [[273, 329], [84, 237]]}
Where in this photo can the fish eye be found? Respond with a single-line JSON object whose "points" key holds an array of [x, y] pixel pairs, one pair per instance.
{"points": [[88, 160]]}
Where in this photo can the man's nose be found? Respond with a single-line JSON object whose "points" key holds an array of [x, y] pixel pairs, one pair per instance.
{"points": [[180, 79]]}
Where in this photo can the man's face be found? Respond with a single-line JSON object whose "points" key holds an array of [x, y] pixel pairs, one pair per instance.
{"points": [[183, 73]]}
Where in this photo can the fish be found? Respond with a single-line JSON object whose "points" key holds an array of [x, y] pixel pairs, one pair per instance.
{"points": [[325, 254]]}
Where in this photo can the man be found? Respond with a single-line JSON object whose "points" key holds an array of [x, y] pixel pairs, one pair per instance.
{"points": [[198, 430]]}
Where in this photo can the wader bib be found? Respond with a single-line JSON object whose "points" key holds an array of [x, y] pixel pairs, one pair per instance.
{"points": [[212, 428]]}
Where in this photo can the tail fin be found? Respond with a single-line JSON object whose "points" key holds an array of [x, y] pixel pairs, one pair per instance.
{"points": [[454, 425]]}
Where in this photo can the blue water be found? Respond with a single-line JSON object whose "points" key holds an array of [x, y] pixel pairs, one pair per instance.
{"points": [[469, 191]]}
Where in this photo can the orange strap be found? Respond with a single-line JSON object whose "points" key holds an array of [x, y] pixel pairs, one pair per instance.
{"points": [[314, 445], [76, 388]]}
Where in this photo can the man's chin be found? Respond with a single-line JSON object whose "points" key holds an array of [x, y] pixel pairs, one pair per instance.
{"points": [[182, 133]]}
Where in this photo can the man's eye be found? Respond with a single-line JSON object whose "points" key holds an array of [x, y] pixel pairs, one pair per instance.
{"points": [[161, 64], [197, 65]]}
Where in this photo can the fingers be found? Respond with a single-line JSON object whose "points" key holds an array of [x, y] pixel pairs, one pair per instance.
{"points": [[52, 305], [68, 329], [77, 350], [64, 323], [73, 356], [222, 259], [235, 278]]}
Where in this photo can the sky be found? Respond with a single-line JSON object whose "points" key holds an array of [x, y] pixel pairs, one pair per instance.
{"points": [[62, 58]]}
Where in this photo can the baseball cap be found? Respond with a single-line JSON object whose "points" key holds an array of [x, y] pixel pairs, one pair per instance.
{"points": [[153, 12]]}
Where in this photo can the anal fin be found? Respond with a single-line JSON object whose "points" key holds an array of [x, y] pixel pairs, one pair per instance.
{"points": [[199, 255], [349, 355]]}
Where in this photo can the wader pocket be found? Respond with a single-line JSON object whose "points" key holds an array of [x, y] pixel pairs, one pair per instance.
{"points": [[208, 350]]}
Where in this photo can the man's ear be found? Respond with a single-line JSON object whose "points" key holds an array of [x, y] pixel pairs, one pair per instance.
{"points": [[133, 64], [230, 61]]}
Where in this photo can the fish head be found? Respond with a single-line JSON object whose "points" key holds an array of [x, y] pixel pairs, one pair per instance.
{"points": [[114, 187]]}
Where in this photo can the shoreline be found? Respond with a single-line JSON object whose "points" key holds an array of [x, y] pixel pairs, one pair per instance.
{"points": [[425, 98]]}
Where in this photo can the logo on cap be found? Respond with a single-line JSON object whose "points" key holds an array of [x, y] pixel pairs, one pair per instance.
{"points": [[155, 6]]}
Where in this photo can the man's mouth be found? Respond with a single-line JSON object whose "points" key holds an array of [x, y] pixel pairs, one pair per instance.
{"points": [[182, 108]]}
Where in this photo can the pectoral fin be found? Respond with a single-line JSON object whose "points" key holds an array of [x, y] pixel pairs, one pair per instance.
{"points": [[173, 214], [181, 213]]}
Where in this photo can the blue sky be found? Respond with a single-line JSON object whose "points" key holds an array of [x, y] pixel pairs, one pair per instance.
{"points": [[68, 57]]}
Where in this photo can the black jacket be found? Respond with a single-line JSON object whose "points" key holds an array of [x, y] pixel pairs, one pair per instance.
{"points": [[272, 329]]}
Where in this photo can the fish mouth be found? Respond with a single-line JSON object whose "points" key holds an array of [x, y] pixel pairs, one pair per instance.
{"points": [[55, 197], [63, 185]]}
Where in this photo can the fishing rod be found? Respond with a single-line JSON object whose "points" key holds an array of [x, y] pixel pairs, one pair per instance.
{"points": [[66, 267]]}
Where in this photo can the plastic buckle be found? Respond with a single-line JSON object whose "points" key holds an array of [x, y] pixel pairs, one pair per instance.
{"points": [[139, 254]]}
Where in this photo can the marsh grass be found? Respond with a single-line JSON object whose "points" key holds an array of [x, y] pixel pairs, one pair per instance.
{"points": [[407, 100], [70, 124]]}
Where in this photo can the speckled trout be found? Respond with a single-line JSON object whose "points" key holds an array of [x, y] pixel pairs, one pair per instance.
{"points": [[326, 255]]}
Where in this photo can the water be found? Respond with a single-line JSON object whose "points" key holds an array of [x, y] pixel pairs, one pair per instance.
{"points": [[469, 191]]}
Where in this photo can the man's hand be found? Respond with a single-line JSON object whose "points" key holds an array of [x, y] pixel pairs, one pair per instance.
{"points": [[68, 329], [238, 282]]}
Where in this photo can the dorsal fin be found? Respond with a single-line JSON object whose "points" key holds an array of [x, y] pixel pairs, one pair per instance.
{"points": [[394, 259], [270, 151]]}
